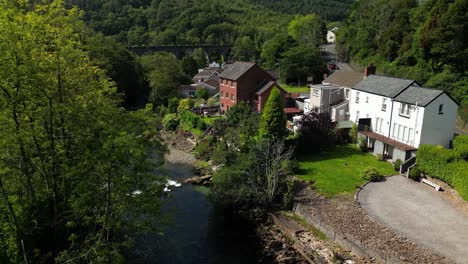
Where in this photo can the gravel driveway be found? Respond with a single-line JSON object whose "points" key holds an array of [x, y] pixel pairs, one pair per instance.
{"points": [[419, 213]]}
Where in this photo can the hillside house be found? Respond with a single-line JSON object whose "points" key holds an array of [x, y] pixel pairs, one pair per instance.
{"points": [[331, 35], [396, 116], [247, 82], [333, 95]]}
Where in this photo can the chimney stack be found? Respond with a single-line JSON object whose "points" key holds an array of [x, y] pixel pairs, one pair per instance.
{"points": [[369, 70]]}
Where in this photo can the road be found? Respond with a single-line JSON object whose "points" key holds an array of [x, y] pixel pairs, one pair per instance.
{"points": [[420, 213], [330, 54]]}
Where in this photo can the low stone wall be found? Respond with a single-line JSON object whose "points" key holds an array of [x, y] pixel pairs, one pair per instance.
{"points": [[348, 225]]}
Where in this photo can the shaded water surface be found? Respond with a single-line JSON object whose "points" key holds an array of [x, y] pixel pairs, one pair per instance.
{"points": [[199, 232]]}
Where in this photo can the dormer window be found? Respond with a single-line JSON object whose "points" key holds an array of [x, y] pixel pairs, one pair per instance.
{"points": [[405, 110], [441, 109]]}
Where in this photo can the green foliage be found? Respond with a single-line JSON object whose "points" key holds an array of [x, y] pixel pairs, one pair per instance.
{"points": [[170, 122], [173, 104], [422, 41], [244, 49], [189, 65], [185, 104], [191, 120], [353, 133], [202, 93], [212, 101], [371, 174], [121, 66], [380, 157], [460, 146], [317, 132], [362, 143], [446, 165], [415, 173], [300, 62], [239, 112], [290, 167], [71, 157], [273, 119], [308, 30], [203, 150], [164, 74], [397, 165]]}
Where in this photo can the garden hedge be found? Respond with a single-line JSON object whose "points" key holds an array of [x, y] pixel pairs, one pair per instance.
{"points": [[447, 165]]}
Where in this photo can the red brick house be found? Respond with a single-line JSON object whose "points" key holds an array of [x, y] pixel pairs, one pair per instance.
{"points": [[247, 82]]}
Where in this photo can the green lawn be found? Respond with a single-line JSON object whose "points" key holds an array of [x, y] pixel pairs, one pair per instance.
{"points": [[295, 89], [338, 170]]}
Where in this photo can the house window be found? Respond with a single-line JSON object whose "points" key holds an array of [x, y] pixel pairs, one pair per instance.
{"points": [[341, 112], [384, 104], [222, 105], [315, 92], [234, 84], [347, 94], [357, 97], [191, 93], [227, 95], [222, 94], [410, 134], [405, 110], [367, 99], [403, 134], [441, 109], [394, 130], [357, 116], [229, 83]]}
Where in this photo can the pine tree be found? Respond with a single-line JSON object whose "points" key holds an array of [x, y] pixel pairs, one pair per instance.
{"points": [[273, 120]]}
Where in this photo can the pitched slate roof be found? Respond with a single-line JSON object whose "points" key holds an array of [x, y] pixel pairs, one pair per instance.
{"points": [[236, 70], [213, 83], [342, 78], [264, 86], [381, 85], [419, 95]]}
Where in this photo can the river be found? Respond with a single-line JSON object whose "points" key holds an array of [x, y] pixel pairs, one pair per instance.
{"points": [[198, 232]]}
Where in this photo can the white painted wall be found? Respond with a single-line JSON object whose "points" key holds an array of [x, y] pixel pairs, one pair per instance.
{"points": [[407, 129], [331, 36], [370, 106], [438, 129]]}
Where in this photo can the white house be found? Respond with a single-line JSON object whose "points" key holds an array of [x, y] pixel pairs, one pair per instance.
{"points": [[396, 115], [331, 35]]}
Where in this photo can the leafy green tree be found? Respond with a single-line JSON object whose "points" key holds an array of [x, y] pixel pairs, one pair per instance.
{"points": [[308, 30], [164, 74], [189, 65], [200, 57], [273, 119], [244, 49], [202, 93], [173, 104], [121, 66], [273, 49], [301, 62], [75, 177], [185, 104]]}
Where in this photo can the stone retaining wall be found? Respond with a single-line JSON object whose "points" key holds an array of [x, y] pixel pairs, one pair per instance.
{"points": [[348, 225]]}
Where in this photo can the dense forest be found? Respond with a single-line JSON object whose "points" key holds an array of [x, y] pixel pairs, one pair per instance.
{"points": [[424, 41]]}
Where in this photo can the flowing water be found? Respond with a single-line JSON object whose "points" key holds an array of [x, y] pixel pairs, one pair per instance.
{"points": [[198, 232]]}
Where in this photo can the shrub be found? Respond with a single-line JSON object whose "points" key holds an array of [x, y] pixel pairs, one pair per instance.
{"points": [[190, 119], [290, 167], [170, 122], [288, 195], [202, 93], [415, 173], [353, 133], [460, 146], [185, 104], [212, 102], [362, 144], [173, 104], [202, 150], [372, 174], [379, 157], [397, 165]]}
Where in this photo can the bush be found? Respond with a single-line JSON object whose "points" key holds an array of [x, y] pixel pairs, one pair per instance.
{"points": [[379, 157], [173, 104], [397, 165], [415, 173], [170, 122], [290, 167], [212, 102], [372, 174], [460, 146], [353, 133], [191, 120], [185, 104], [362, 144], [202, 150], [288, 195]]}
